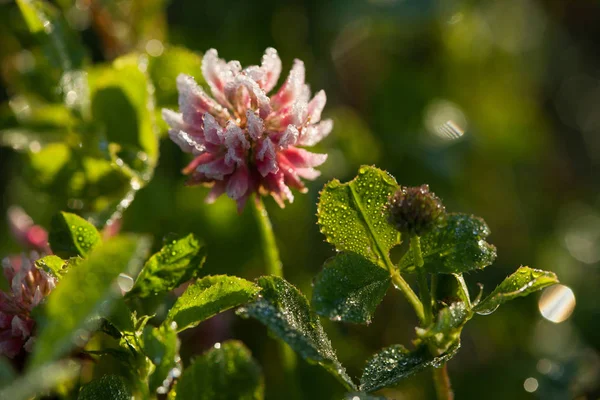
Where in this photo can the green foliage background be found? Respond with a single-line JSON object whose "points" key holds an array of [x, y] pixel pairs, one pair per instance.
{"points": [[524, 74]]}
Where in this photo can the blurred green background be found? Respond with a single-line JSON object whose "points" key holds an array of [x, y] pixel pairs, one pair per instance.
{"points": [[494, 104]]}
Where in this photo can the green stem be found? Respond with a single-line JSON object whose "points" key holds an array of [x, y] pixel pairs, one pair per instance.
{"points": [[274, 266], [405, 288], [415, 247], [273, 263], [443, 389]]}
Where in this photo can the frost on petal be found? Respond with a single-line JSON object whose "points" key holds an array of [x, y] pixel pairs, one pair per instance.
{"points": [[236, 144], [291, 89], [275, 185], [255, 72], [255, 125], [313, 134], [244, 85], [266, 160], [213, 132], [301, 158], [315, 107], [271, 67], [217, 74], [186, 143], [289, 137], [194, 102], [238, 183]]}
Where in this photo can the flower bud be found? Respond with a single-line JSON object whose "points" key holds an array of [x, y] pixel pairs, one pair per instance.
{"points": [[415, 210]]}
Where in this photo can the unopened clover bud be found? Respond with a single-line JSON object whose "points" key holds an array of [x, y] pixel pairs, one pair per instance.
{"points": [[415, 210]]}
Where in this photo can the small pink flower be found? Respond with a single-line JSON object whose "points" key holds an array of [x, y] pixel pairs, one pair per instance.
{"points": [[28, 287], [25, 231], [244, 141]]}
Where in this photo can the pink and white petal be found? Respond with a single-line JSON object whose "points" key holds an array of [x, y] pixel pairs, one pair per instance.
{"points": [[29, 344], [213, 132], [266, 157], [308, 173], [313, 134], [186, 143], [291, 89], [289, 137], [255, 125], [315, 107], [217, 74], [194, 102], [236, 143], [271, 67], [275, 185], [217, 190], [216, 169], [301, 158], [238, 182], [258, 97], [255, 72], [20, 328], [201, 159]]}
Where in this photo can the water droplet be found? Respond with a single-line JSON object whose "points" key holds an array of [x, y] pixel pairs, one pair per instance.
{"points": [[125, 282], [217, 345]]}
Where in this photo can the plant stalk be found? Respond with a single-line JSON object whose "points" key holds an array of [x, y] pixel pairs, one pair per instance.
{"points": [[443, 389], [274, 267], [271, 252], [415, 247]]}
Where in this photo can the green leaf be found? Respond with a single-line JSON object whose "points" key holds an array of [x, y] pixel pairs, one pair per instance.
{"points": [[53, 265], [225, 372], [41, 380], [161, 346], [395, 363], [176, 263], [349, 288], [352, 215], [208, 297], [61, 45], [286, 312], [70, 235], [165, 68], [123, 107], [521, 283], [81, 293], [458, 246], [445, 332], [109, 387]]}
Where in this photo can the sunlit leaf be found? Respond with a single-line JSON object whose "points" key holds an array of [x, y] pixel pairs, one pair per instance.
{"points": [[351, 215], [176, 263], [70, 235], [53, 265], [286, 312], [521, 283], [109, 387], [458, 246], [123, 107], [81, 293], [349, 288], [61, 45], [210, 296], [395, 363], [225, 372]]}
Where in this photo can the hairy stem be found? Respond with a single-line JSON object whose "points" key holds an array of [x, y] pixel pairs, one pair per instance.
{"points": [[274, 266], [410, 295], [443, 389], [271, 252], [415, 247]]}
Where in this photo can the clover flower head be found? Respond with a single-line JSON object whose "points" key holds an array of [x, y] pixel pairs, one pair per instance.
{"points": [[415, 210], [243, 140], [29, 286]]}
